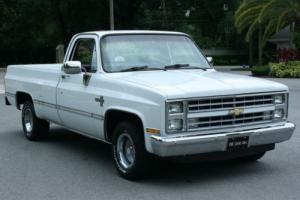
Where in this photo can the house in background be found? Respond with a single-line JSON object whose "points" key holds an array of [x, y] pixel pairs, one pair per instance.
{"points": [[283, 39]]}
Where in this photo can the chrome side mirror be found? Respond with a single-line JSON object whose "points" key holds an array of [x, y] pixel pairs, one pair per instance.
{"points": [[210, 60], [72, 67]]}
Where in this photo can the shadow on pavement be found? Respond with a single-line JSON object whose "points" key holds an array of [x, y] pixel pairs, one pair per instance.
{"points": [[163, 172]]}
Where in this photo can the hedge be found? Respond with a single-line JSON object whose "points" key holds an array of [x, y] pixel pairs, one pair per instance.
{"points": [[260, 70], [281, 70], [285, 70]]}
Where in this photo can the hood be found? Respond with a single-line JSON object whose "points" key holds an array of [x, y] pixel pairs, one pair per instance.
{"points": [[195, 83]]}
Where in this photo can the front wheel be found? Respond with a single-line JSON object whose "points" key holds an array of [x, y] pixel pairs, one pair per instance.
{"points": [[33, 127], [129, 153]]}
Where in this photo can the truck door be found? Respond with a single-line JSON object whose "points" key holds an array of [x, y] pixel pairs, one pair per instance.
{"points": [[78, 107]]}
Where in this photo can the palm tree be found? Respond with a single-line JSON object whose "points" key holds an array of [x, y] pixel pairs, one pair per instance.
{"points": [[247, 17], [279, 14], [266, 16]]}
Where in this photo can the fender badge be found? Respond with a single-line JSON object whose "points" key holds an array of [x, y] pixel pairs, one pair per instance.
{"points": [[100, 100]]}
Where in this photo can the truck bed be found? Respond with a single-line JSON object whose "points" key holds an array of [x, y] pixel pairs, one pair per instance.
{"points": [[38, 80]]}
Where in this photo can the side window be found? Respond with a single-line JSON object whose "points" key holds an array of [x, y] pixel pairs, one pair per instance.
{"points": [[85, 52]]}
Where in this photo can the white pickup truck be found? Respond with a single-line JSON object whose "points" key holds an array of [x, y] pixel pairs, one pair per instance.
{"points": [[150, 93]]}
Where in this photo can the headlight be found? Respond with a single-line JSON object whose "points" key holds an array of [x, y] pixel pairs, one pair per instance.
{"points": [[279, 99], [281, 106], [175, 108], [175, 125], [175, 117], [278, 114]]}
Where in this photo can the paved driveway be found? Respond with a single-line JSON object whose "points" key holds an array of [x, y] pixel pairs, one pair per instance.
{"points": [[2, 73], [69, 166]]}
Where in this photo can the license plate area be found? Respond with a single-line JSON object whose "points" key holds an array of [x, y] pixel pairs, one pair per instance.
{"points": [[237, 143]]}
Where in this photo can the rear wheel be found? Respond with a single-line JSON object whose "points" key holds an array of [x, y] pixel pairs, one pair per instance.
{"points": [[129, 153], [33, 127]]}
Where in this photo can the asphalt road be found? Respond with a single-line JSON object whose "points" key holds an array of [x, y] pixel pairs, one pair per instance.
{"points": [[69, 166], [2, 73]]}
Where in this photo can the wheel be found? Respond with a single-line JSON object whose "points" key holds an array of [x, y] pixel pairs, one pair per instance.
{"points": [[129, 153], [252, 158], [34, 128]]}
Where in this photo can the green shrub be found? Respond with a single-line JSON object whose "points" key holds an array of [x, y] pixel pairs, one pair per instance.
{"points": [[230, 60], [260, 70], [296, 39], [285, 70]]}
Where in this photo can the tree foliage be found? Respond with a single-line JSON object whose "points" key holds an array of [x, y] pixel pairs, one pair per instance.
{"points": [[273, 15], [31, 29]]}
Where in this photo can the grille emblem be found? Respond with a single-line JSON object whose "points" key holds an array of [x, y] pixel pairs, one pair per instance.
{"points": [[236, 111]]}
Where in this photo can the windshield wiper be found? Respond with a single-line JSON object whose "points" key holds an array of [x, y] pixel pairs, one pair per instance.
{"points": [[186, 66], [135, 68], [140, 68], [176, 66]]}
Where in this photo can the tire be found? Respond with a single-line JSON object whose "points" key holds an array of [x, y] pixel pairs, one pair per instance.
{"points": [[252, 158], [34, 128], [128, 150]]}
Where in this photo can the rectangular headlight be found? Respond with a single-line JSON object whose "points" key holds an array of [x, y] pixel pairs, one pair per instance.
{"points": [[175, 116], [278, 114], [175, 125], [279, 98], [281, 106], [176, 107]]}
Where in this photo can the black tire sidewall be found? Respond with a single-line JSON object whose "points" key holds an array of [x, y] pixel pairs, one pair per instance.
{"points": [[28, 105], [40, 128], [139, 167]]}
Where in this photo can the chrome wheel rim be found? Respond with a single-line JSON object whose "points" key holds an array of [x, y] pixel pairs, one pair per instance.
{"points": [[125, 151], [28, 120]]}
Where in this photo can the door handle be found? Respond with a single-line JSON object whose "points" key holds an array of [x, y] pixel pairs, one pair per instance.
{"points": [[65, 76]]}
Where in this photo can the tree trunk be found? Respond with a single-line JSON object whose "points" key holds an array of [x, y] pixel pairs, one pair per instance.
{"points": [[250, 52], [260, 46], [292, 30]]}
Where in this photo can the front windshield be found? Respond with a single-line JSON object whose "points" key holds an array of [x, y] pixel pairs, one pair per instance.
{"points": [[122, 52]]}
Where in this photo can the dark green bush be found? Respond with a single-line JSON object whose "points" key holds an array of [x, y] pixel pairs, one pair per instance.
{"points": [[230, 60], [285, 70], [296, 39], [260, 70]]}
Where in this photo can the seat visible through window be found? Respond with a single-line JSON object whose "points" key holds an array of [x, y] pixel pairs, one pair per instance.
{"points": [[86, 53]]}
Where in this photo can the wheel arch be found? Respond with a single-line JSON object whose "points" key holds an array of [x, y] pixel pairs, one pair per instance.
{"points": [[21, 98], [116, 115]]}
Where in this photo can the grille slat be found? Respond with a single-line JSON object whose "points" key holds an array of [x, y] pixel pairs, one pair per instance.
{"points": [[266, 101], [227, 103], [229, 120]]}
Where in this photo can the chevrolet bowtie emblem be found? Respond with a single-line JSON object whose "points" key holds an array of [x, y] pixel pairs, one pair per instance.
{"points": [[236, 111]]}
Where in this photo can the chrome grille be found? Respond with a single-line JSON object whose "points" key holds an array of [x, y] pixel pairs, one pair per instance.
{"points": [[214, 104], [229, 120], [216, 112]]}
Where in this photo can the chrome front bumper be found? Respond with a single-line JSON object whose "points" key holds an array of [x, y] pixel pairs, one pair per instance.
{"points": [[197, 144]]}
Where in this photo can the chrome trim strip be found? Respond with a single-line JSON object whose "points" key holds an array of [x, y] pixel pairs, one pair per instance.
{"points": [[229, 96], [71, 110]]}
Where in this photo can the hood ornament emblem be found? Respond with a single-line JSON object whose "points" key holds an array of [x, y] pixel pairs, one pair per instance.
{"points": [[236, 111]]}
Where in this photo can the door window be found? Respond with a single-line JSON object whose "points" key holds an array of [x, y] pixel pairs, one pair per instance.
{"points": [[85, 52]]}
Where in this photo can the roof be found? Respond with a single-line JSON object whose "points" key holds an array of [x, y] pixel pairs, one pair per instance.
{"points": [[281, 36], [117, 32]]}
